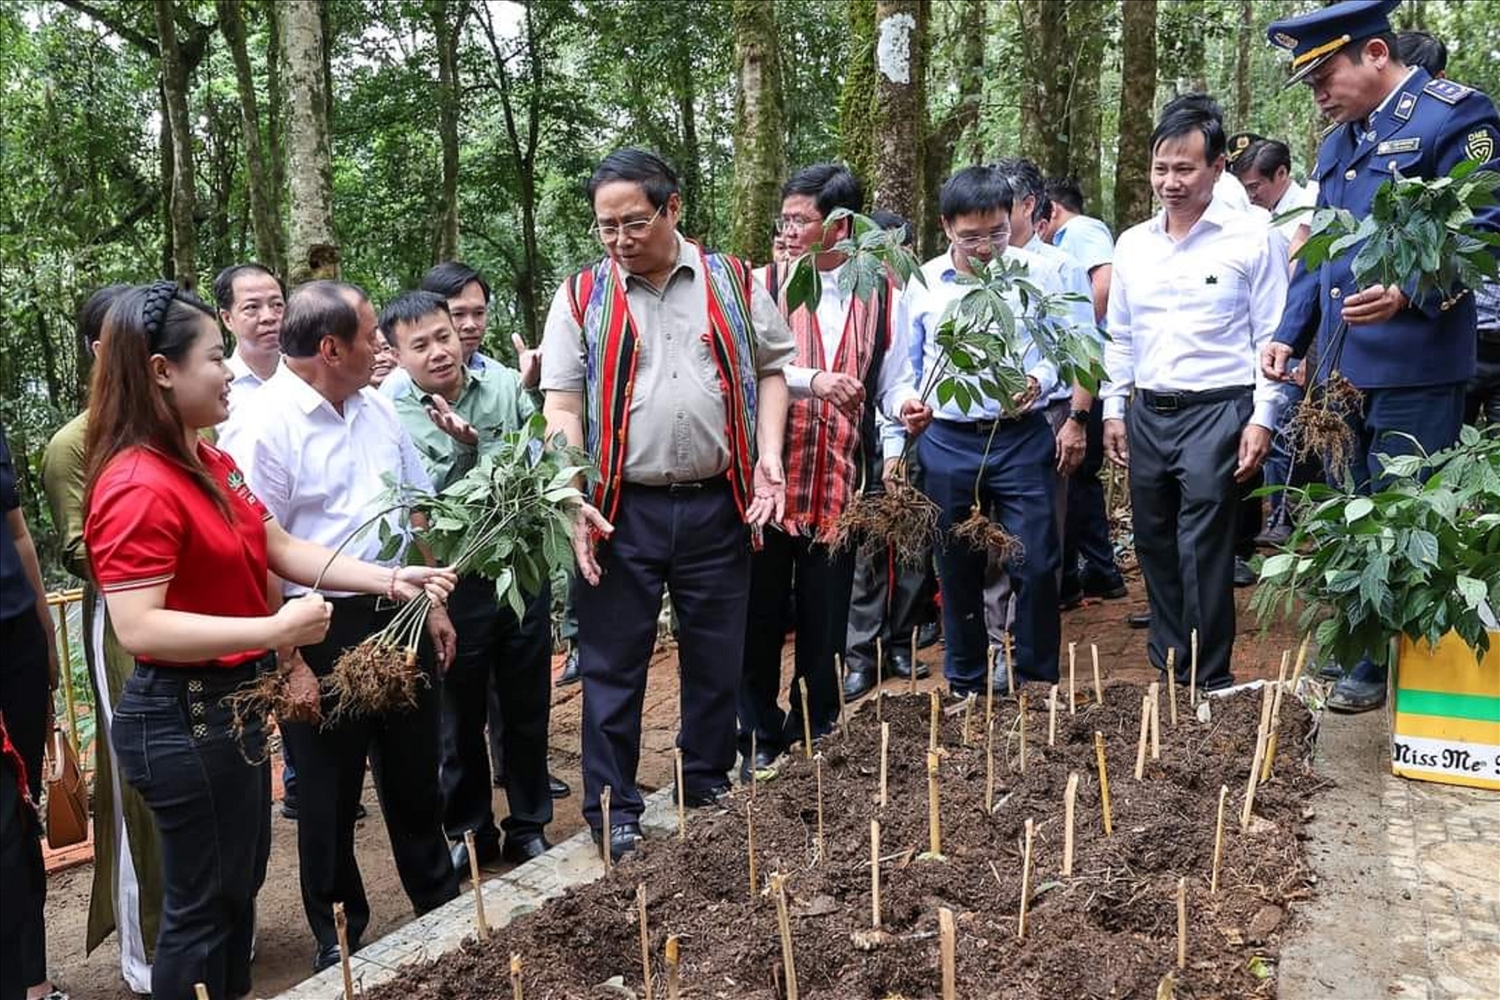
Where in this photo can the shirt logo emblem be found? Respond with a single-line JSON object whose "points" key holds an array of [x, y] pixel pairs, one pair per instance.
{"points": [[1480, 145], [1212, 279], [234, 480]]}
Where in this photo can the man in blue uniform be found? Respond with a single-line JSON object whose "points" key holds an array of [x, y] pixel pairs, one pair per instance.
{"points": [[1410, 356]]}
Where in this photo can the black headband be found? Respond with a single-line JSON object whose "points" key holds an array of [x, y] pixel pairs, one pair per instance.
{"points": [[159, 298]]}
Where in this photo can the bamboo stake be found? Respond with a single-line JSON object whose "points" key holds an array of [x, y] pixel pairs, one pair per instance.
{"points": [[640, 907], [750, 848], [968, 714], [885, 754], [1070, 799], [1260, 753], [1269, 762], [807, 750], [1140, 747], [1010, 664], [949, 948], [1155, 694], [1213, 885], [1052, 717], [1109, 827], [1025, 882], [989, 691], [875, 873], [911, 687], [1193, 671], [200, 991], [754, 767], [515, 976], [1301, 662], [1182, 922], [936, 704], [1172, 684], [604, 840], [481, 923], [673, 961], [879, 704], [1098, 684], [989, 770], [838, 680], [934, 821], [341, 927], [1022, 702], [1072, 670], [818, 771], [778, 886], [879, 660], [682, 795]]}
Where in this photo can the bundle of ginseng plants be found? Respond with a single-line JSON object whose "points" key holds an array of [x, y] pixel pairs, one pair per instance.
{"points": [[509, 519], [1419, 236]]}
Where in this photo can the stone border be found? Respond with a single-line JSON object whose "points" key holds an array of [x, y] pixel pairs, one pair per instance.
{"points": [[575, 861]]}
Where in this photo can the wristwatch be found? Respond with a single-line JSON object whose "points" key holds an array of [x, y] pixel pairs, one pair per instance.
{"points": [[1082, 416]]}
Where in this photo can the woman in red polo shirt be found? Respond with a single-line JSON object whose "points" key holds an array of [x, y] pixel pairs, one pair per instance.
{"points": [[180, 548]]}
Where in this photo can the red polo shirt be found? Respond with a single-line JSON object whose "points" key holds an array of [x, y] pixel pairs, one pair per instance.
{"points": [[149, 523]]}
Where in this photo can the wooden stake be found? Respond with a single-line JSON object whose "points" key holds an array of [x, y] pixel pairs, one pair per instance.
{"points": [[807, 750], [1260, 753], [750, 848], [1182, 922], [1070, 798], [515, 976], [1172, 684], [949, 948], [1098, 684], [1269, 762], [1193, 671], [989, 770], [879, 660], [1140, 747], [1155, 694], [875, 873], [1109, 827], [682, 795], [604, 840], [1025, 882], [1010, 664], [200, 991], [673, 962], [818, 771], [1072, 670], [341, 927], [885, 754], [778, 886], [1022, 703], [481, 924], [936, 704], [1052, 717], [1213, 885], [912, 686], [968, 714], [754, 768], [879, 703], [934, 822], [640, 909], [1301, 662], [989, 691], [838, 679]]}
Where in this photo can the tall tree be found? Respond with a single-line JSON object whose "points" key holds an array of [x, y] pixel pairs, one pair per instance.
{"points": [[276, 123], [448, 18], [965, 36], [900, 184], [184, 197], [1133, 156], [857, 100], [1046, 74], [312, 247], [1242, 79], [1087, 24], [759, 140], [264, 220]]}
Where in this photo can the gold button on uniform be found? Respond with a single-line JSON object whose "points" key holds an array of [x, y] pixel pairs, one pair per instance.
{"points": [[1350, 174]]}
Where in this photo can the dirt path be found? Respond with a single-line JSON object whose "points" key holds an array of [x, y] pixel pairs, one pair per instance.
{"points": [[284, 945]]}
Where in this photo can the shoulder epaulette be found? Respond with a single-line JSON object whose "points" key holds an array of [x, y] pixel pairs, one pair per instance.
{"points": [[1447, 91]]}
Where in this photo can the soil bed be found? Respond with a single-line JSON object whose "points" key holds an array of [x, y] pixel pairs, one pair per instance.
{"points": [[1109, 930]]}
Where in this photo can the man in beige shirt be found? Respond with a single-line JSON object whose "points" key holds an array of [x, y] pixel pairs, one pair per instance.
{"points": [[665, 361]]}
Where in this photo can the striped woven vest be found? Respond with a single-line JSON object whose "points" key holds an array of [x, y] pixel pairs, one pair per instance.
{"points": [[597, 296], [823, 444]]}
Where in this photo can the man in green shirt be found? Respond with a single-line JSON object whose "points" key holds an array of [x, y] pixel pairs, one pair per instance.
{"points": [[455, 414]]}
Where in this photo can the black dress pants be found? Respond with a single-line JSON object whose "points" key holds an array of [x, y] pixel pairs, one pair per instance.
{"points": [[23, 702], [509, 657], [403, 749]]}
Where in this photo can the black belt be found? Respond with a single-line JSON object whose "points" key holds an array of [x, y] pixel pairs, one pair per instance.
{"points": [[199, 676], [689, 488], [364, 602], [981, 426], [1171, 402]]}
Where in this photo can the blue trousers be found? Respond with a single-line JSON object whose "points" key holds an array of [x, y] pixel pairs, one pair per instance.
{"points": [[1016, 482]]}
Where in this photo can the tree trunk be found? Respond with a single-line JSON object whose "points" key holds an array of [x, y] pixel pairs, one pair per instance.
{"points": [[276, 125], [696, 210], [263, 216], [183, 203], [900, 133], [759, 140], [1086, 32], [1133, 158], [1242, 65], [312, 248], [164, 156], [1047, 59], [857, 100], [942, 146], [447, 23]]}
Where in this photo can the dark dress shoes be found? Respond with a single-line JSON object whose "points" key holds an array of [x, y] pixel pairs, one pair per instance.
{"points": [[858, 683], [708, 798], [623, 838], [1139, 619], [458, 855], [569, 674], [558, 788], [928, 634], [327, 956], [901, 665], [518, 852]]}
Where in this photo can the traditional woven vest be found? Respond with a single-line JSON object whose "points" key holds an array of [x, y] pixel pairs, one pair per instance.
{"points": [[600, 307], [822, 443]]}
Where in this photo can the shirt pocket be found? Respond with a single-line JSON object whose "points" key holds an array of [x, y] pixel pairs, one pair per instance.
{"points": [[1217, 293]]}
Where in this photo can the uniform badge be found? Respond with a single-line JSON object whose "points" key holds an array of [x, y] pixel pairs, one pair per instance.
{"points": [[1410, 145], [1405, 106], [1284, 40], [1480, 145], [1447, 91]]}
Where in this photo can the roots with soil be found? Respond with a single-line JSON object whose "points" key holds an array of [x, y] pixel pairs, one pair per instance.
{"points": [[267, 695], [373, 678], [1320, 426], [901, 519], [979, 532]]}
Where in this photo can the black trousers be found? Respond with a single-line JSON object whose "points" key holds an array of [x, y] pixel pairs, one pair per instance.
{"points": [[509, 657], [403, 752], [888, 601], [1187, 507], [1086, 543], [23, 701], [823, 581], [173, 739], [694, 541]]}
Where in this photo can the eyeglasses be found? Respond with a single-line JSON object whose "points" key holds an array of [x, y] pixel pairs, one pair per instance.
{"points": [[784, 224], [635, 229], [994, 238]]}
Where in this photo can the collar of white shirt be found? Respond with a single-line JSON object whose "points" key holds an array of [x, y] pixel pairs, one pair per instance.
{"points": [[309, 399], [1217, 214], [243, 372]]}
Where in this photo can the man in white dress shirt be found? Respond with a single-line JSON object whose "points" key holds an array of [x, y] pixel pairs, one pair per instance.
{"points": [[1197, 291], [251, 302], [1264, 166]]}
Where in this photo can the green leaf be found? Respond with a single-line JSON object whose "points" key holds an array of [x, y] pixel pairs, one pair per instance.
{"points": [[1358, 507], [1473, 591]]}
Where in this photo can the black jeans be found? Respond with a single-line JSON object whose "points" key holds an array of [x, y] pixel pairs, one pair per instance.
{"points": [[173, 740], [496, 652], [23, 880]]}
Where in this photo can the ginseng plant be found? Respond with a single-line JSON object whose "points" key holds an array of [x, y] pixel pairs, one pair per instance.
{"points": [[1418, 236]]}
